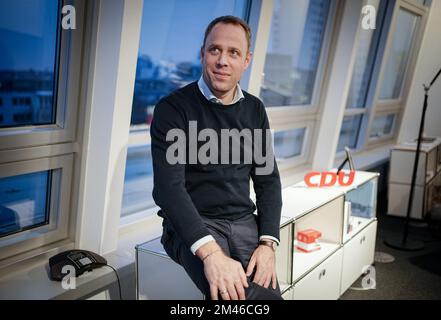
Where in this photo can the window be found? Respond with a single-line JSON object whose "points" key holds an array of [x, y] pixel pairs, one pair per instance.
{"points": [[24, 202], [294, 50], [399, 54], [172, 33], [34, 200], [138, 183], [382, 126], [28, 60], [363, 78], [40, 67], [289, 143], [349, 132]]}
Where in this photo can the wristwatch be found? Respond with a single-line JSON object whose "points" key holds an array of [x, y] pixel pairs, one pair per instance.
{"points": [[268, 243]]}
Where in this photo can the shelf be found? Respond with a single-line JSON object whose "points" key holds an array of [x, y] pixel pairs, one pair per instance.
{"points": [[299, 200], [305, 261]]}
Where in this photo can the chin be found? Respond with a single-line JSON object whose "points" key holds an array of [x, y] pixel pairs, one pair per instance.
{"points": [[222, 86]]}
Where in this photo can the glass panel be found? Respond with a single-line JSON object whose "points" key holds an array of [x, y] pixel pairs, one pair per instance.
{"points": [[28, 62], [172, 33], [366, 53], [288, 144], [360, 206], [399, 55], [382, 126], [24, 202], [294, 47], [349, 132], [138, 180]]}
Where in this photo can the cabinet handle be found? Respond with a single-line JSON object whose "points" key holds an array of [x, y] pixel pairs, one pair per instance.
{"points": [[322, 274]]}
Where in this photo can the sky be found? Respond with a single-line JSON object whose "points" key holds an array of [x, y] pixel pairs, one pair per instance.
{"points": [[27, 34]]}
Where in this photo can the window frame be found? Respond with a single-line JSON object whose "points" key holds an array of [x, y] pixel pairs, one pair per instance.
{"points": [[27, 149], [397, 105], [67, 75], [390, 135], [58, 227], [303, 157], [291, 116]]}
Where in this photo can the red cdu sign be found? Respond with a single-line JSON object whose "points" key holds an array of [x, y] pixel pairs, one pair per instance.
{"points": [[328, 179]]}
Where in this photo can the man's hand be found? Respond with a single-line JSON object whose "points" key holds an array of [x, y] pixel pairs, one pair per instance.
{"points": [[225, 275], [264, 260]]}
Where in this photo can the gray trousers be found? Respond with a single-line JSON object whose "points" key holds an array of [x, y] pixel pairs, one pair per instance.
{"points": [[238, 239]]}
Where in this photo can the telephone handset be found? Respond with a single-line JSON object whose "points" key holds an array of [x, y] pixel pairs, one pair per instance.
{"points": [[81, 260]]}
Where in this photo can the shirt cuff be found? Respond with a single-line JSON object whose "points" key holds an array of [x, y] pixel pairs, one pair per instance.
{"points": [[195, 246], [270, 238]]}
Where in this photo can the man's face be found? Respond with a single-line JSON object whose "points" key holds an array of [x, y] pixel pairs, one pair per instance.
{"points": [[224, 58]]}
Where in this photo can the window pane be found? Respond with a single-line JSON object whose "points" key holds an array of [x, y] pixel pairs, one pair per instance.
{"points": [[367, 47], [294, 47], [382, 126], [172, 32], [138, 180], [349, 132], [24, 202], [399, 55], [288, 144], [28, 62]]}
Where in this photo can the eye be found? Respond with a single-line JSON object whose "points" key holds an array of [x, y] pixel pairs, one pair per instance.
{"points": [[214, 50], [235, 53]]}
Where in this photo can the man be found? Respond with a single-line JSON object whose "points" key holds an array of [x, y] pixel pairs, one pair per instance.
{"points": [[209, 225]]}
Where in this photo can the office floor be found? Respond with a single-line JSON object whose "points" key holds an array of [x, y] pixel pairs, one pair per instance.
{"points": [[413, 275]]}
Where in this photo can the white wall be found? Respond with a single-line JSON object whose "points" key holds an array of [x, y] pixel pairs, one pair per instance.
{"points": [[428, 63]]}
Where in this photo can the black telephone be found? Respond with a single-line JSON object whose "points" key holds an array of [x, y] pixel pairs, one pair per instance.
{"points": [[81, 260]]}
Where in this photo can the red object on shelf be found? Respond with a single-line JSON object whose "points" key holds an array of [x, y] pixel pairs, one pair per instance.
{"points": [[308, 235], [307, 247]]}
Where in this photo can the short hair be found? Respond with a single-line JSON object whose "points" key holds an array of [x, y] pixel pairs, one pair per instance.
{"points": [[229, 20]]}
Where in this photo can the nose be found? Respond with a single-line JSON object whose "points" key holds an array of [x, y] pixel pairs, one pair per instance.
{"points": [[222, 60]]}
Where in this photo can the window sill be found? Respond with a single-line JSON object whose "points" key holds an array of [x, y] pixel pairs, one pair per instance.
{"points": [[29, 279], [366, 159]]}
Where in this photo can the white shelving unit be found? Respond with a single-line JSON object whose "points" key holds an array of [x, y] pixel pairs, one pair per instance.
{"points": [[400, 178], [346, 217], [324, 274]]}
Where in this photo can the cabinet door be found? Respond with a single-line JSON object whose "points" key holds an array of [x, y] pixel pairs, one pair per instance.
{"points": [[358, 253], [323, 282]]}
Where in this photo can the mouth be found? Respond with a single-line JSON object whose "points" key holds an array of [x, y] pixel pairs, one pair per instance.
{"points": [[221, 75]]}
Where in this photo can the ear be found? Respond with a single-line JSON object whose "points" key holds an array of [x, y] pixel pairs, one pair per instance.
{"points": [[202, 55]]}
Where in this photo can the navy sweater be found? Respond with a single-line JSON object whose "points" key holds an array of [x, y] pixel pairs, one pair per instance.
{"points": [[186, 191]]}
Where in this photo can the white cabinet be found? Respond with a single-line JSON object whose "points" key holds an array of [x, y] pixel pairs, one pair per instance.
{"points": [[288, 294], [322, 283], [358, 254], [400, 177], [159, 277]]}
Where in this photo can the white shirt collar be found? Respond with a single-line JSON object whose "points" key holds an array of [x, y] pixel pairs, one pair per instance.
{"points": [[211, 97]]}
